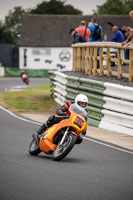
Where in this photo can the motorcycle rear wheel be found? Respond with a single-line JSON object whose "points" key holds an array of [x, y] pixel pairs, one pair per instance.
{"points": [[61, 151], [34, 148]]}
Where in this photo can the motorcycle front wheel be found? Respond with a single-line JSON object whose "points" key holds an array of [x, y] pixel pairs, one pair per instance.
{"points": [[34, 148], [62, 150]]}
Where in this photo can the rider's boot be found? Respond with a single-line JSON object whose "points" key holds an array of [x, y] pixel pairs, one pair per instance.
{"points": [[37, 136], [41, 129]]}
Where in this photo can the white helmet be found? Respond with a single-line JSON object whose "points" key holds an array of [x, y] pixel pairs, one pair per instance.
{"points": [[81, 98]]}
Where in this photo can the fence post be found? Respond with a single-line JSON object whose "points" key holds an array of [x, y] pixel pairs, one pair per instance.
{"points": [[119, 63], [79, 59], [90, 60], [95, 61], [82, 59], [101, 61], [87, 60], [108, 62], [74, 59], [131, 65]]}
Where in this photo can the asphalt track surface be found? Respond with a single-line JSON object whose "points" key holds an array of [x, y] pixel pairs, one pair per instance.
{"points": [[90, 172], [7, 83]]}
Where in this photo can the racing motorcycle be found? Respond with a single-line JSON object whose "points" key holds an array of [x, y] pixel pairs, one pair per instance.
{"points": [[24, 77], [59, 139]]}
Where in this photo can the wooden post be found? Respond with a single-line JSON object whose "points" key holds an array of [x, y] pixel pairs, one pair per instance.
{"points": [[90, 60], [87, 60], [119, 63], [82, 59], [74, 59], [78, 59], [108, 62], [131, 65], [101, 61], [95, 61]]}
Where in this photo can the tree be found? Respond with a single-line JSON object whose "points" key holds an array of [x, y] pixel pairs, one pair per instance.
{"points": [[55, 7], [6, 35], [10, 28], [14, 19], [115, 7]]}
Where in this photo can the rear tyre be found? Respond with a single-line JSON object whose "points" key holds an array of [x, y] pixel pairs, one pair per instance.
{"points": [[61, 151], [34, 148]]}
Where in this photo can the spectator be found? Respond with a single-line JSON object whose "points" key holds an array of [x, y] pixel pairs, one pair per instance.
{"points": [[96, 33], [127, 30], [118, 35], [95, 28], [89, 24], [83, 31], [76, 36], [123, 29], [129, 40]]}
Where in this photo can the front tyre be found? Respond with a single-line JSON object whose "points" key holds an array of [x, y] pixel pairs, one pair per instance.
{"points": [[61, 151], [34, 148]]}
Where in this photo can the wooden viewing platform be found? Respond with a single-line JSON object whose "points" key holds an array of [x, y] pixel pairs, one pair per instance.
{"points": [[85, 59]]}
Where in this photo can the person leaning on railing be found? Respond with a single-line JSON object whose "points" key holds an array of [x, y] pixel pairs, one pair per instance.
{"points": [[129, 40]]}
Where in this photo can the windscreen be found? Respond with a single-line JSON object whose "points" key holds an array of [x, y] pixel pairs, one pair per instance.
{"points": [[79, 110]]}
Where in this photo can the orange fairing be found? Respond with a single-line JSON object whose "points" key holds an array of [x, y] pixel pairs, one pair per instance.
{"points": [[46, 141], [75, 120]]}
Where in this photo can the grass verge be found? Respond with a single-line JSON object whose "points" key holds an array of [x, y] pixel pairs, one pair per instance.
{"points": [[33, 98]]}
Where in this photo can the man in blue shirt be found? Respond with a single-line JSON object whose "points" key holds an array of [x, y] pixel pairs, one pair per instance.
{"points": [[96, 33], [118, 35], [92, 28]]}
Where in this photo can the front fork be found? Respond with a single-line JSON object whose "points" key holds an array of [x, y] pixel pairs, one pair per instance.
{"points": [[64, 136]]}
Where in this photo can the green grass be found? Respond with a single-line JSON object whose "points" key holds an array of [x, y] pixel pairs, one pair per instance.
{"points": [[32, 98]]}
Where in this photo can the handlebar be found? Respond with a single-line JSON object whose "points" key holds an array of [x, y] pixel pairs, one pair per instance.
{"points": [[65, 116]]}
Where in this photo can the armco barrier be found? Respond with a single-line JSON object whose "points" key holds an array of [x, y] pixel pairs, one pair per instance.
{"points": [[118, 108], [117, 122], [58, 86], [118, 91], [110, 106], [118, 105]]}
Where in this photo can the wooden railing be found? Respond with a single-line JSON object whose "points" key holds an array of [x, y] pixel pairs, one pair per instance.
{"points": [[85, 59]]}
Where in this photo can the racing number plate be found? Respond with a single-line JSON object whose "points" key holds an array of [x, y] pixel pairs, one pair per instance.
{"points": [[79, 122]]}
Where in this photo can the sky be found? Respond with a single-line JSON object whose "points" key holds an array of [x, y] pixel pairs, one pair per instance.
{"points": [[86, 6]]}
